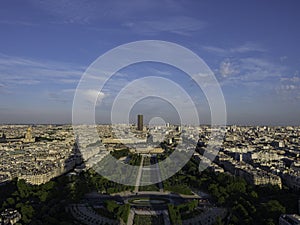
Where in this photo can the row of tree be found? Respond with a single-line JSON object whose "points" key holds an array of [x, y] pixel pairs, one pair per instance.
{"points": [[247, 204]]}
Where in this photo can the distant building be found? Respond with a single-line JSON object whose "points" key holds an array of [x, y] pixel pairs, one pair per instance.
{"points": [[28, 136], [289, 219], [259, 177], [179, 128], [9, 217], [292, 180], [2, 137], [147, 150], [5, 177], [140, 122]]}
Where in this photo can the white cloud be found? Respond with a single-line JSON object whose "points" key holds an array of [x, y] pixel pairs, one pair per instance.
{"points": [[75, 11], [63, 96], [257, 69], [91, 95], [247, 47], [288, 87], [244, 48], [66, 95], [88, 11], [214, 49], [288, 92], [293, 79], [16, 71], [17, 22], [227, 68], [176, 25], [283, 58]]}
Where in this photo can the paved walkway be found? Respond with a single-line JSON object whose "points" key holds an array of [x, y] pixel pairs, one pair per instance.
{"points": [[138, 179], [130, 217], [166, 217], [160, 184]]}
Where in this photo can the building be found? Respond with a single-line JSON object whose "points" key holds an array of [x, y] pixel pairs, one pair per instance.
{"points": [[28, 136], [259, 177], [140, 122], [5, 177], [292, 180], [289, 219], [147, 150], [2, 137], [9, 217]]}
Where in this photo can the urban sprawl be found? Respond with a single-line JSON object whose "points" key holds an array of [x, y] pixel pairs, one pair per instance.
{"points": [[262, 155]]}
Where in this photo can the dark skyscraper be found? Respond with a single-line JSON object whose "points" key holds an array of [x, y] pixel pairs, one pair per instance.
{"points": [[140, 122]]}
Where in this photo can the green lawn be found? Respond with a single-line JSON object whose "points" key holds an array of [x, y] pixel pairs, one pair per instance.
{"points": [[148, 220]]}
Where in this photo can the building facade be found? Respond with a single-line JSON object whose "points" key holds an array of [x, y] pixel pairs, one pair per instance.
{"points": [[140, 122]]}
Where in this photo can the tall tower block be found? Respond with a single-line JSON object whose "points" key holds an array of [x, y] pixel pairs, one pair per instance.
{"points": [[140, 122]]}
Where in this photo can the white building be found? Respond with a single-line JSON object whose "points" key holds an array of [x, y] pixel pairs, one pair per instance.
{"points": [[289, 219]]}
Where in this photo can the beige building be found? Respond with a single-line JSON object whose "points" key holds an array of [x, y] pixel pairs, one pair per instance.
{"points": [[28, 136]]}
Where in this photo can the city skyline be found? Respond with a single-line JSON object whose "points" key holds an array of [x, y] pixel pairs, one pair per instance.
{"points": [[251, 47], [46, 164]]}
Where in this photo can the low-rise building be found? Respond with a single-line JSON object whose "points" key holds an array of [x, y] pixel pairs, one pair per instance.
{"points": [[289, 219], [9, 217]]}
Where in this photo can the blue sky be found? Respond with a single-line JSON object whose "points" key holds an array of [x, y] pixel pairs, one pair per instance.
{"points": [[251, 46]]}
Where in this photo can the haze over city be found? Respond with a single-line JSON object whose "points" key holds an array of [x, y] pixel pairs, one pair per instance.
{"points": [[252, 47]]}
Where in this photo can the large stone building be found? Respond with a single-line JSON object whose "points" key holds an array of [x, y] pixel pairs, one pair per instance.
{"points": [[289, 219], [28, 136]]}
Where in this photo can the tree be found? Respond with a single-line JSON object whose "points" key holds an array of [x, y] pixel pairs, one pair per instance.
{"points": [[123, 212], [27, 213], [23, 189], [270, 222], [272, 209], [240, 211], [11, 202], [218, 221], [111, 206], [253, 195], [42, 195]]}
